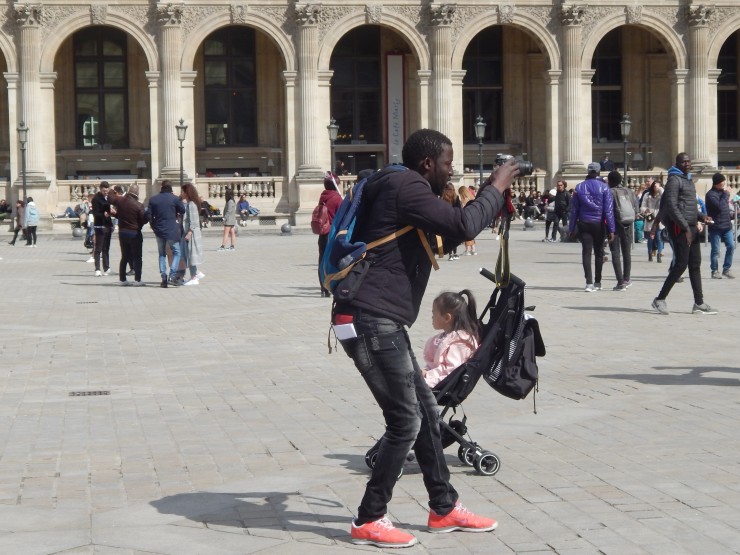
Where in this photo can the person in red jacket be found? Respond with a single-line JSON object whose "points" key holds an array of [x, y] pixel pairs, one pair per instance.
{"points": [[332, 199]]}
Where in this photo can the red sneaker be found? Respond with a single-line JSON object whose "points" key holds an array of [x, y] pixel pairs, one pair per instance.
{"points": [[381, 533], [460, 519]]}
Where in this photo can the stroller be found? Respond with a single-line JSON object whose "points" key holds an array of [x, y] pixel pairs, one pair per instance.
{"points": [[505, 331]]}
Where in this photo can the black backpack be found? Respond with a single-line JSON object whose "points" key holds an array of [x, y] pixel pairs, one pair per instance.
{"points": [[510, 342]]}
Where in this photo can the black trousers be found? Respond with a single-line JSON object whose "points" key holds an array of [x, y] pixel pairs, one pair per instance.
{"points": [[621, 246], [592, 241], [102, 246], [684, 256], [131, 245], [323, 239]]}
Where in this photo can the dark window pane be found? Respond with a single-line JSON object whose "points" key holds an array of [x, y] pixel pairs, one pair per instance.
{"points": [[113, 47], [215, 73], [115, 121], [483, 85], [114, 74], [214, 46], [85, 46], [244, 74], [86, 74], [727, 113], [245, 124]]}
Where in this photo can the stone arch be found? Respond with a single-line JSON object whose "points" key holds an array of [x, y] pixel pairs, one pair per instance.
{"points": [[253, 19], [81, 20], [388, 20], [521, 20], [648, 21], [8, 51], [720, 36]]}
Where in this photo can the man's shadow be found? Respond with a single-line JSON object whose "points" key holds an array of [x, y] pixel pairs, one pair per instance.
{"points": [[695, 376], [266, 510]]}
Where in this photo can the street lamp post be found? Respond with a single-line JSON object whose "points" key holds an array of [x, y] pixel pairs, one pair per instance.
{"points": [[333, 129], [23, 139], [480, 132], [182, 130], [626, 126]]}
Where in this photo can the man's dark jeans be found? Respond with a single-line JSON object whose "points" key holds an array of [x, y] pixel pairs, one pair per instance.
{"points": [[621, 249], [102, 246], [683, 257], [131, 245], [383, 355], [592, 241]]}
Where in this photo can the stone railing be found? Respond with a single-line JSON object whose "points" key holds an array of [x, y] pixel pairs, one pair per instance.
{"points": [[74, 191], [252, 187]]}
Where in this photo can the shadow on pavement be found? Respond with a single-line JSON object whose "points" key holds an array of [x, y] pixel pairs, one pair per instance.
{"points": [[268, 510], [611, 308], [696, 376]]}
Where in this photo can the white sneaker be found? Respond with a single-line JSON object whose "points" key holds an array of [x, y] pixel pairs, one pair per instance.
{"points": [[98, 273], [192, 281], [107, 272], [139, 284], [200, 275], [90, 260], [590, 288]]}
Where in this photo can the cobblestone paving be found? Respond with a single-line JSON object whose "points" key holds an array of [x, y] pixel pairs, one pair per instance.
{"points": [[228, 428]]}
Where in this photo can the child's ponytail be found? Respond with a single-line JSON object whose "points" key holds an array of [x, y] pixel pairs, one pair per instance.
{"points": [[464, 311]]}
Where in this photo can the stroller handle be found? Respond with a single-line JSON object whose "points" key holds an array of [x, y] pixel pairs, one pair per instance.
{"points": [[487, 274]]}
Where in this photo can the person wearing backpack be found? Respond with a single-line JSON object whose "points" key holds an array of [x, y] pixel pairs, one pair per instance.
{"points": [[625, 211], [385, 300], [592, 205], [329, 202]]}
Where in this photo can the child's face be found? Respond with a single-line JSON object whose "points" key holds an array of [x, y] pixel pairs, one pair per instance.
{"points": [[441, 321]]}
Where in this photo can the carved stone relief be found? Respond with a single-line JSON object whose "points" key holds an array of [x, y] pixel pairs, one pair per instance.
{"points": [[443, 14], [699, 15], [28, 14], [634, 14], [98, 14], [506, 13], [308, 14], [330, 15], [193, 16], [170, 13], [373, 14], [239, 13], [572, 14]]}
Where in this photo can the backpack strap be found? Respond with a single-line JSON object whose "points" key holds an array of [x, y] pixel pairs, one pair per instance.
{"points": [[427, 248]]}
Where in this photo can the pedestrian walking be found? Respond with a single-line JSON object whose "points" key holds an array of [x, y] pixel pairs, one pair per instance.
{"points": [[720, 226], [30, 222], [163, 212], [192, 236], [131, 219]]}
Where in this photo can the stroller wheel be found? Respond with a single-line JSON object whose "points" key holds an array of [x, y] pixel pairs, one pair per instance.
{"points": [[372, 455], [487, 463], [466, 455]]}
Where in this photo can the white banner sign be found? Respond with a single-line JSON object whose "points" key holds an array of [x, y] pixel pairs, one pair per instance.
{"points": [[395, 107]]}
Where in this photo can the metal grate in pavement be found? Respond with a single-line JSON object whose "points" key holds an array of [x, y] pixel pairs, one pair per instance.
{"points": [[87, 393]]}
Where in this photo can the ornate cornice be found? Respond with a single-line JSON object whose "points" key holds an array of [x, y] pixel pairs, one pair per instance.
{"points": [[699, 16], [572, 14], [170, 13], [29, 14], [308, 14], [443, 14]]}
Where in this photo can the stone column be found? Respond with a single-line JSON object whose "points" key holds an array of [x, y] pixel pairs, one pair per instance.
{"points": [[571, 17], [29, 18], [678, 79], [713, 77], [552, 100], [442, 67], [424, 78], [287, 165], [155, 141], [170, 18], [698, 109], [456, 131], [308, 16]]}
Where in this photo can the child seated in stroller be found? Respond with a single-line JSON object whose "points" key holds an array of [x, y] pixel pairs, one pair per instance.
{"points": [[457, 320]]}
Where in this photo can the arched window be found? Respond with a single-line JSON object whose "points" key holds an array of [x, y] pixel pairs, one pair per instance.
{"points": [[483, 91], [606, 91], [229, 63], [727, 97], [101, 88], [356, 96]]}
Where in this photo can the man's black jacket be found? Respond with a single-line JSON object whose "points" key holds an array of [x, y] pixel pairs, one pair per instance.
{"points": [[400, 269]]}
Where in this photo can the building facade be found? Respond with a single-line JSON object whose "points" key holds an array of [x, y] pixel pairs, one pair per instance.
{"points": [[102, 87]]}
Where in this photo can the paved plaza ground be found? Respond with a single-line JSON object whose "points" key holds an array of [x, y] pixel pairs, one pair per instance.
{"points": [[229, 429]]}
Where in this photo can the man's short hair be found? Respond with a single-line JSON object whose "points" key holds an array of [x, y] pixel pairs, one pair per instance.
{"points": [[104, 184], [424, 143], [614, 178], [133, 189]]}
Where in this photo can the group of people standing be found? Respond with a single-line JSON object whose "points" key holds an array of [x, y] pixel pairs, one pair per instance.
{"points": [[174, 220], [26, 222]]}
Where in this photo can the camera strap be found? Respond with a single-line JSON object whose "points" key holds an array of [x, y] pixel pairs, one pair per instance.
{"points": [[503, 266]]}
